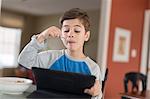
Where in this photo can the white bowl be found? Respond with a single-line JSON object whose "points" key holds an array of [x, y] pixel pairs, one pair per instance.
{"points": [[14, 85]]}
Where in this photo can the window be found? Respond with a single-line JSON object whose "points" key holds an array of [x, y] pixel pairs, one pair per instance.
{"points": [[9, 46]]}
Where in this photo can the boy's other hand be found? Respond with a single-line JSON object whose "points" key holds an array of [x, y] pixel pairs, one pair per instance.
{"points": [[95, 90], [52, 31]]}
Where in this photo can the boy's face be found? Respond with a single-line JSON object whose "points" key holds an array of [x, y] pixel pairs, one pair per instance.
{"points": [[74, 34]]}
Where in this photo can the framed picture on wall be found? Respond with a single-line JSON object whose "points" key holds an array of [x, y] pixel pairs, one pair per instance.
{"points": [[121, 49]]}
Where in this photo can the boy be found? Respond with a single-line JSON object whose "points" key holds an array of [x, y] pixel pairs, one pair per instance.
{"points": [[74, 32]]}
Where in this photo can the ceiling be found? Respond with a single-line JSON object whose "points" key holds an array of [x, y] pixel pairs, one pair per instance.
{"points": [[46, 7]]}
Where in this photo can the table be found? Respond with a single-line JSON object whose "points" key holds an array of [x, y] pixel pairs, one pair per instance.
{"points": [[20, 96], [145, 95]]}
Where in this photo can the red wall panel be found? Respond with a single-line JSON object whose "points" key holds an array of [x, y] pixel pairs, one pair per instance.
{"points": [[128, 14]]}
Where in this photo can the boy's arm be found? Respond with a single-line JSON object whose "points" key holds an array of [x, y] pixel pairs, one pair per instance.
{"points": [[30, 56]]}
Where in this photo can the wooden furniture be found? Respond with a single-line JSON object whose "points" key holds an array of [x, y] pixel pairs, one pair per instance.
{"points": [[135, 78], [130, 95], [104, 81], [24, 72], [134, 93]]}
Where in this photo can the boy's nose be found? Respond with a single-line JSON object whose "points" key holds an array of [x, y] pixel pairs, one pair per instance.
{"points": [[71, 36]]}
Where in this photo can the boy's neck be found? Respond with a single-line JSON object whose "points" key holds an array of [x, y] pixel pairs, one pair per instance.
{"points": [[76, 54]]}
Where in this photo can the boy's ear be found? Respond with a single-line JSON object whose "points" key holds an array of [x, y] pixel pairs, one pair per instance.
{"points": [[87, 36]]}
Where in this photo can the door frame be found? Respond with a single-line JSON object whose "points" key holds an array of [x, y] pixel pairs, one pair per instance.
{"points": [[145, 47], [103, 37], [0, 7]]}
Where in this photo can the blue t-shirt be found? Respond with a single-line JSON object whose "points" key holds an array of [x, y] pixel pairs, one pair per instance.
{"points": [[68, 65]]}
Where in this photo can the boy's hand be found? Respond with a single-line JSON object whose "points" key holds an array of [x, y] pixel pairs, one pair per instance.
{"points": [[52, 31], [95, 90]]}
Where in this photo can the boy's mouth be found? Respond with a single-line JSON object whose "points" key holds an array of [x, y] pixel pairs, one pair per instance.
{"points": [[71, 42]]}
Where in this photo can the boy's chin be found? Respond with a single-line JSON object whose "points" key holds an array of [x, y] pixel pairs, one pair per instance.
{"points": [[71, 49]]}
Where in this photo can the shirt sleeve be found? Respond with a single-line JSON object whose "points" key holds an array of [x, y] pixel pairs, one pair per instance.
{"points": [[31, 56], [95, 70]]}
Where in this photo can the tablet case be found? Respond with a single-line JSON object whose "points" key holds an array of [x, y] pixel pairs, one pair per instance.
{"points": [[59, 84]]}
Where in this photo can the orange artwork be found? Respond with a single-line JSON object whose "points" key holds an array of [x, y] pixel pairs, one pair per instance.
{"points": [[121, 48], [121, 45]]}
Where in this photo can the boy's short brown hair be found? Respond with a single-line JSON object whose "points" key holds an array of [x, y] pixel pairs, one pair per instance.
{"points": [[76, 13]]}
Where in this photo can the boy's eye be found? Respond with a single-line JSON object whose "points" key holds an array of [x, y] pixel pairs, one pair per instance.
{"points": [[66, 31], [77, 31]]}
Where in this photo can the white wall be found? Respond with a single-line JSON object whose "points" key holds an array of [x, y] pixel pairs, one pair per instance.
{"points": [[1, 72], [104, 34]]}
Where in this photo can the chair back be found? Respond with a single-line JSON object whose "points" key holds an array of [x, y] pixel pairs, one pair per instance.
{"points": [[104, 81], [135, 77]]}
